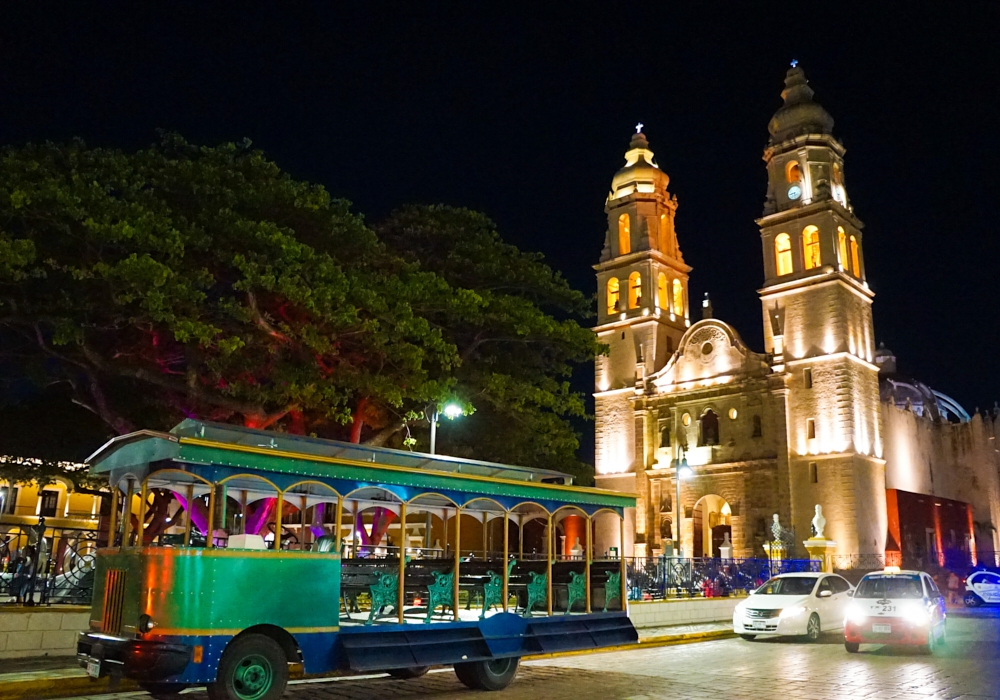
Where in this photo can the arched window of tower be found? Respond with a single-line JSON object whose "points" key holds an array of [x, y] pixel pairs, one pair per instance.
{"points": [[709, 428], [624, 235], [855, 257], [678, 298], [757, 430], [613, 295], [845, 264], [662, 302], [793, 173], [783, 254], [810, 247], [634, 290]]}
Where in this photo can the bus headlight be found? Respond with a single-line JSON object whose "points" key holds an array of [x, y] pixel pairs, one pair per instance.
{"points": [[855, 614], [793, 611]]}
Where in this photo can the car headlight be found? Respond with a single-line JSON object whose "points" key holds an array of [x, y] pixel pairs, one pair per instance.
{"points": [[914, 612], [793, 611], [855, 614]]}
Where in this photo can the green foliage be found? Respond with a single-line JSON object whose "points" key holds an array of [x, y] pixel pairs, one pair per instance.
{"points": [[518, 346], [183, 280], [21, 470], [191, 281]]}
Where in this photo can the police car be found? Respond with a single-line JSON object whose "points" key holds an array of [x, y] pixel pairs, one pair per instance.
{"points": [[895, 607], [981, 587]]}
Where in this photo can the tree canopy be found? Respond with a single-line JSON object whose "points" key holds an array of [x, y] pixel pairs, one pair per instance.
{"points": [[187, 281]]}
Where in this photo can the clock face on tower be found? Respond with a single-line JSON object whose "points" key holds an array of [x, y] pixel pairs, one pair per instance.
{"points": [[794, 192]]}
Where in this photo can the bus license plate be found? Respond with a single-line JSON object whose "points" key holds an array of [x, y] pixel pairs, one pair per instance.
{"points": [[882, 629], [94, 668]]}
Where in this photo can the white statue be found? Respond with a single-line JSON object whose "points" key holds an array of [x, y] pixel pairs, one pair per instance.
{"points": [[726, 548], [818, 523], [776, 528], [725, 540], [577, 549]]}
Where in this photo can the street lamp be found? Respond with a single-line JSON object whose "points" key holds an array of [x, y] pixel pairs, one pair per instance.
{"points": [[451, 411], [681, 471]]}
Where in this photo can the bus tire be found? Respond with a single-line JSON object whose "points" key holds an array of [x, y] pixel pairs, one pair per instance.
{"points": [[409, 673], [253, 667], [494, 674], [163, 691]]}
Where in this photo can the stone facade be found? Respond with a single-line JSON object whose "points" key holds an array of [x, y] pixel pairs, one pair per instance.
{"points": [[805, 422]]}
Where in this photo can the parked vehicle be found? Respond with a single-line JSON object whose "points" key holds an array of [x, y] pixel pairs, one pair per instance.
{"points": [[895, 607], [981, 587], [273, 585], [803, 604]]}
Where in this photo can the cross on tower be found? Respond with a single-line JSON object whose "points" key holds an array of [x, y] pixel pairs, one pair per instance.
{"points": [[795, 62], [638, 127]]}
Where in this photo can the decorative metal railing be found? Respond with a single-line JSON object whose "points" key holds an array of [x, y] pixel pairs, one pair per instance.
{"points": [[860, 562], [676, 577], [43, 566]]}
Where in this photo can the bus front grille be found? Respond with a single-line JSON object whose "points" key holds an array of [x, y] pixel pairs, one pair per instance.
{"points": [[114, 597]]}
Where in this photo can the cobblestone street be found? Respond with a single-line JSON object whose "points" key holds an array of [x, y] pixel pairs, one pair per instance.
{"points": [[966, 668]]}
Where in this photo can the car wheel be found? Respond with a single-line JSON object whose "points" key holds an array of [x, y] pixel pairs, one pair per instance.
{"points": [[163, 691], [813, 630], [971, 600], [749, 637], [408, 673], [495, 674], [852, 647], [253, 667]]}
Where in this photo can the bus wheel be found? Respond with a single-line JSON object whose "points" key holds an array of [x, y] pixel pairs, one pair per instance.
{"points": [[495, 674], [163, 691], [253, 667], [408, 673]]}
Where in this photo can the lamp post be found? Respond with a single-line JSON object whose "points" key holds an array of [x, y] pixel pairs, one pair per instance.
{"points": [[451, 412], [681, 471]]}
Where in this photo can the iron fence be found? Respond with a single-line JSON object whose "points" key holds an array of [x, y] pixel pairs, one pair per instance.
{"points": [[42, 565], [675, 577]]}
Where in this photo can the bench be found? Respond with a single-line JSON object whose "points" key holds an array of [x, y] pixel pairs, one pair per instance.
{"points": [[613, 590], [441, 592], [385, 591], [493, 589], [576, 590], [537, 591]]}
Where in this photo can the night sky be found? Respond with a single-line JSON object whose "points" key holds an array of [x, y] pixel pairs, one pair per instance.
{"points": [[525, 114]]}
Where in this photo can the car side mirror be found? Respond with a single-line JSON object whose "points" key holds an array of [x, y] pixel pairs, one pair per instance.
{"points": [[824, 594]]}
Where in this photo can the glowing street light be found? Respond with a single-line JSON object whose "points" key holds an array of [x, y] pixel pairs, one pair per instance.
{"points": [[451, 411], [681, 471]]}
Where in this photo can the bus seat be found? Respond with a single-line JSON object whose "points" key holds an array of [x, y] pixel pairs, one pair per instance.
{"points": [[246, 542]]}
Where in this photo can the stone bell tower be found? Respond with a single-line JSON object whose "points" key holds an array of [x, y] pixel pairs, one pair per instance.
{"points": [[642, 291], [818, 325]]}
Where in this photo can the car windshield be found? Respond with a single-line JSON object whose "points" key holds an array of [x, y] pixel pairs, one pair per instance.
{"points": [[793, 585], [893, 586]]}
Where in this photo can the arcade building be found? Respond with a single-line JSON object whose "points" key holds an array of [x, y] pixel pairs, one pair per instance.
{"points": [[820, 416]]}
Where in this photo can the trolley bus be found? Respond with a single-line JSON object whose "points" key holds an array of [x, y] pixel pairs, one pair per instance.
{"points": [[273, 555]]}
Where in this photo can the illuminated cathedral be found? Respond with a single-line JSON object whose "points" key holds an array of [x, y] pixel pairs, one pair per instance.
{"points": [[820, 416]]}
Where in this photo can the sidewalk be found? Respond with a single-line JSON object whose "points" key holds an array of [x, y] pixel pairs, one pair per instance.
{"points": [[59, 676]]}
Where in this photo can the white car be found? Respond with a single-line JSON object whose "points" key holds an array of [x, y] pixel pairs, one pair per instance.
{"points": [[982, 587], [794, 604]]}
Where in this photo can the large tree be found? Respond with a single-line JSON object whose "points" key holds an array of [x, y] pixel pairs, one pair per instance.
{"points": [[190, 281], [185, 281], [517, 347]]}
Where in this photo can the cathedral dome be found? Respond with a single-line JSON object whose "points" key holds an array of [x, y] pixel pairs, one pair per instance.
{"points": [[641, 173], [799, 115]]}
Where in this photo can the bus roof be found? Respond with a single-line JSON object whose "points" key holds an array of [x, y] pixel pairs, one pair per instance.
{"points": [[225, 447]]}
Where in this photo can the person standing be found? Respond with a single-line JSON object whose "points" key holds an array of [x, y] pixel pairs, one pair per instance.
{"points": [[953, 593]]}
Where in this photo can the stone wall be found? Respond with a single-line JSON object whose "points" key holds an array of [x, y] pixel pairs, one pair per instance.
{"points": [[660, 613], [41, 631]]}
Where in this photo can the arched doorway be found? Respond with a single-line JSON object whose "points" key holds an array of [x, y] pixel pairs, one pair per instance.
{"points": [[711, 521]]}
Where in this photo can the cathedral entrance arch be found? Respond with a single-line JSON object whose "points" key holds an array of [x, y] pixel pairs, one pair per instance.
{"points": [[712, 521]]}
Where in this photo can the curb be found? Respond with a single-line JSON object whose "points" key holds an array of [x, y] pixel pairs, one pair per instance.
{"points": [[49, 685], [70, 682], [647, 643]]}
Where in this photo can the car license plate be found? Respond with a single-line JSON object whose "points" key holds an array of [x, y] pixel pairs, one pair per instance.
{"points": [[758, 625], [882, 629], [94, 668]]}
